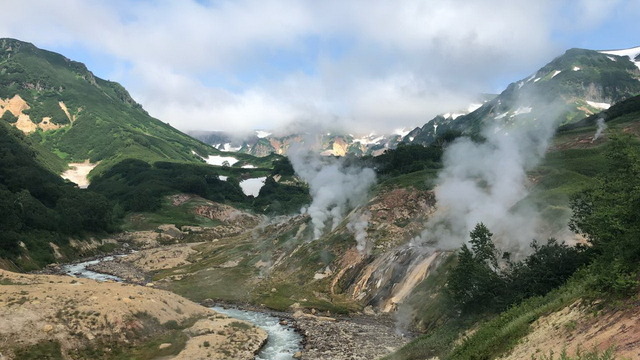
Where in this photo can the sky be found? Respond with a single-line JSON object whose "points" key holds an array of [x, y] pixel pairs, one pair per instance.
{"points": [[340, 65]]}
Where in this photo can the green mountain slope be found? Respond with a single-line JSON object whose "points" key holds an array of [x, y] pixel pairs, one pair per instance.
{"points": [[573, 86], [80, 116], [40, 211]]}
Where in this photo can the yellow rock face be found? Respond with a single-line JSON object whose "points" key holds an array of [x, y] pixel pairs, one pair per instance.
{"points": [[17, 105]]}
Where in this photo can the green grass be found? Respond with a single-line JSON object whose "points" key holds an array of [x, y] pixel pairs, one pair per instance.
{"points": [[493, 337], [45, 350], [181, 215], [421, 180]]}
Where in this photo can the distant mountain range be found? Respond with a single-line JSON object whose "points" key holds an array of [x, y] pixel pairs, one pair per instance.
{"points": [[571, 87], [262, 143]]}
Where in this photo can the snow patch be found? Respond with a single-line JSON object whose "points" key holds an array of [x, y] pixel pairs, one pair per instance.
{"points": [[501, 116], [536, 80], [252, 186], [248, 166], [369, 140], [576, 68], [523, 110], [611, 58], [473, 107], [262, 134], [219, 160], [453, 115], [632, 53], [402, 132], [223, 177], [556, 73], [227, 147], [598, 105]]}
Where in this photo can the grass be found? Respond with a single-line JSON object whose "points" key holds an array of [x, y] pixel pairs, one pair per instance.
{"points": [[493, 337], [45, 350], [421, 180], [594, 354], [181, 215]]}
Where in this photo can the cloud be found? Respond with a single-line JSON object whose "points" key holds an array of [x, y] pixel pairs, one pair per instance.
{"points": [[264, 63]]}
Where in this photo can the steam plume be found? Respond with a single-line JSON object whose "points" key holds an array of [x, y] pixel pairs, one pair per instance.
{"points": [[334, 186], [486, 182], [358, 226], [601, 128]]}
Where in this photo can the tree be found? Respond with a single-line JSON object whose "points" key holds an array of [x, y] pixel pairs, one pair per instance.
{"points": [[483, 247], [607, 215], [478, 283], [474, 284]]}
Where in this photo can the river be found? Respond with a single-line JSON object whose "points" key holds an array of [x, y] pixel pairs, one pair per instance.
{"points": [[283, 342]]}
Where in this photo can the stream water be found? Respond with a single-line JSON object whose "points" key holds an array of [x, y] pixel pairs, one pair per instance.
{"points": [[283, 342]]}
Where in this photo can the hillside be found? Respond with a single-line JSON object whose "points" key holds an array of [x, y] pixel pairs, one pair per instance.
{"points": [[40, 211], [79, 116], [575, 85], [60, 317]]}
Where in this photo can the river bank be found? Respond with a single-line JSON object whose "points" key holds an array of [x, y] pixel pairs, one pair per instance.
{"points": [[324, 336]]}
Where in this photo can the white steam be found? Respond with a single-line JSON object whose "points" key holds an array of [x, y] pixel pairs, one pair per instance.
{"points": [[485, 182], [601, 128], [358, 226], [334, 186]]}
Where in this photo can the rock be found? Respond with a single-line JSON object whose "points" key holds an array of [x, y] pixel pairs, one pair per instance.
{"points": [[47, 328], [164, 346], [298, 355], [369, 310]]}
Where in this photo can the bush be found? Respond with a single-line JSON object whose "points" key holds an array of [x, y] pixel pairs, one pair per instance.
{"points": [[478, 284]]}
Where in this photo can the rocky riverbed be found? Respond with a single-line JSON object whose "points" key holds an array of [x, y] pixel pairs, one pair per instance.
{"points": [[362, 336], [357, 337]]}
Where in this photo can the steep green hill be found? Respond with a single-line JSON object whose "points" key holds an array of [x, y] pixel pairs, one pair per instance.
{"points": [[40, 211], [79, 116]]}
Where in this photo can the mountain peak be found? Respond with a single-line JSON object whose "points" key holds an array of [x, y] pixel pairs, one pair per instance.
{"points": [[632, 53]]}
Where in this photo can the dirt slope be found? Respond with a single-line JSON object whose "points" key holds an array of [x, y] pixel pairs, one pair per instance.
{"points": [[578, 326], [79, 312]]}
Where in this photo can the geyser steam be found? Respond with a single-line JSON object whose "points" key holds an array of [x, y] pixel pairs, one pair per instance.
{"points": [[358, 226], [334, 185], [601, 128], [486, 182]]}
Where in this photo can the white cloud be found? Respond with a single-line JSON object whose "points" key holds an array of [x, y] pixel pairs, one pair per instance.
{"points": [[263, 63]]}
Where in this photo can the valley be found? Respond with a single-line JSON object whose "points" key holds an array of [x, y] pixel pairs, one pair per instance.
{"points": [[469, 237]]}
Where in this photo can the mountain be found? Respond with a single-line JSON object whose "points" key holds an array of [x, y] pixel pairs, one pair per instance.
{"points": [[263, 143], [571, 87], [78, 116]]}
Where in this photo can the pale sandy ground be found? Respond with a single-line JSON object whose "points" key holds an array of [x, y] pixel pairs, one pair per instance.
{"points": [[75, 312], [578, 326], [78, 173]]}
